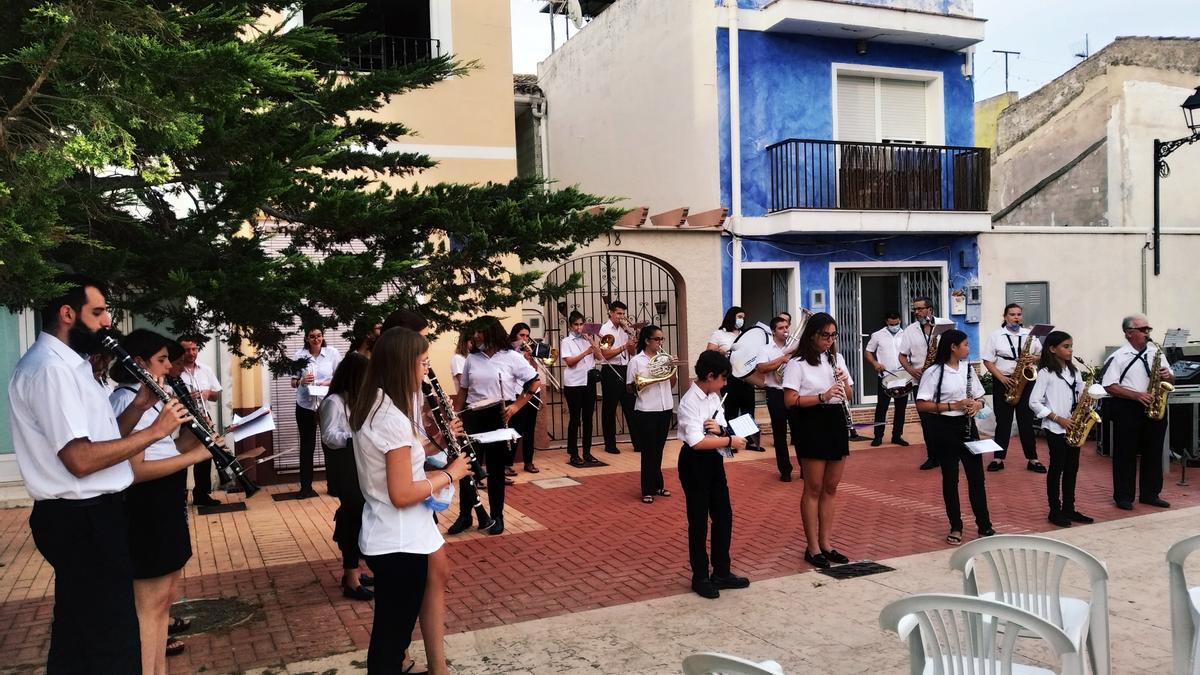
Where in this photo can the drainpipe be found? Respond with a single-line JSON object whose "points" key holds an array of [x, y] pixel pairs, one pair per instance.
{"points": [[735, 151], [1145, 247]]}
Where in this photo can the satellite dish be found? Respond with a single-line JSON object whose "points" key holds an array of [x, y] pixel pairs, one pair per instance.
{"points": [[575, 12]]}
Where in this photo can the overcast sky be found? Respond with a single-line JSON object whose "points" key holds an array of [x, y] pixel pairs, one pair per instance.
{"points": [[1047, 33]]}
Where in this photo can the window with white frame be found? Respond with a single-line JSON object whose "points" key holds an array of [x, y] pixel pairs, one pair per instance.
{"points": [[882, 109]]}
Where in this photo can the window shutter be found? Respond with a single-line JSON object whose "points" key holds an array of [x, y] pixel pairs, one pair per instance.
{"points": [[1034, 299], [856, 109], [902, 110]]}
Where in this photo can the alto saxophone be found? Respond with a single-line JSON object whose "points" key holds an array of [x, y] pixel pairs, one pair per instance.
{"points": [[1025, 373], [1158, 388], [1083, 415]]}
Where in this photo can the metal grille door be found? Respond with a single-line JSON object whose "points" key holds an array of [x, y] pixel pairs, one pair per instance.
{"points": [[847, 290], [921, 282], [645, 286]]}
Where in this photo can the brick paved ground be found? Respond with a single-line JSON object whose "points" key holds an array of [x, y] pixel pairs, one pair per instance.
{"points": [[568, 549]]}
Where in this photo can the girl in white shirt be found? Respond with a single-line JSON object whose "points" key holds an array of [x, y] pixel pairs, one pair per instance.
{"points": [[739, 395], [1057, 390], [951, 394], [341, 471], [579, 388], [815, 384], [398, 532], [651, 412], [321, 360]]}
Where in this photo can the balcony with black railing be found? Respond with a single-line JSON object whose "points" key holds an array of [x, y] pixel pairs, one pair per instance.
{"points": [[390, 51], [814, 174]]}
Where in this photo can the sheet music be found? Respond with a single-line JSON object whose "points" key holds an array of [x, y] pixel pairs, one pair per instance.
{"points": [[983, 447], [1175, 337], [258, 424], [496, 436], [743, 426]]}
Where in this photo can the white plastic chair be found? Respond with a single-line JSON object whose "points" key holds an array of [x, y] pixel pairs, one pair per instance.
{"points": [[712, 663], [1185, 610], [1027, 573], [971, 636]]}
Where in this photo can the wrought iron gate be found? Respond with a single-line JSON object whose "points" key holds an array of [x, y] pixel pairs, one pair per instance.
{"points": [[645, 286]]}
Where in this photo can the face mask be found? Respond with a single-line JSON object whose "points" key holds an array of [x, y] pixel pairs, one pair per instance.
{"points": [[441, 500], [1013, 327], [738, 323], [893, 329], [438, 461]]}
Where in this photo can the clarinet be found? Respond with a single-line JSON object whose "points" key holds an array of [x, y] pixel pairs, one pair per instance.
{"points": [[968, 432], [443, 415], [227, 464], [832, 353], [228, 467]]}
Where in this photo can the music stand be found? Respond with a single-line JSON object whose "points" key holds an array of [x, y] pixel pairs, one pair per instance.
{"points": [[1041, 330]]}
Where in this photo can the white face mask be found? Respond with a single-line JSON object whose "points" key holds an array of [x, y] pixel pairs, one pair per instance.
{"points": [[738, 323], [893, 329]]}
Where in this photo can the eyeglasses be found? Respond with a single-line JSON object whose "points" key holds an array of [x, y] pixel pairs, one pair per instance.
{"points": [[828, 335], [917, 309], [655, 339], [1145, 330]]}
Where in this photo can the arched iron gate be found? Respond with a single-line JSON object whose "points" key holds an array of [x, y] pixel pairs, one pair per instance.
{"points": [[645, 286]]}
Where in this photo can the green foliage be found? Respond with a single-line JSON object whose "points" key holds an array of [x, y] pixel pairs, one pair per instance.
{"points": [[162, 146]]}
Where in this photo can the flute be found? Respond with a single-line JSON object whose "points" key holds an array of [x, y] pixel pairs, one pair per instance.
{"points": [[227, 464]]}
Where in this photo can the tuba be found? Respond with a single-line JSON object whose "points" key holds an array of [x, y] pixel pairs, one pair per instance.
{"points": [[1083, 416], [1158, 388], [1025, 373], [661, 368]]}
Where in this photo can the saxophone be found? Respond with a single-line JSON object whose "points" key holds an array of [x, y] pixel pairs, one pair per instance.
{"points": [[1083, 416], [1158, 389], [931, 354], [1025, 373]]}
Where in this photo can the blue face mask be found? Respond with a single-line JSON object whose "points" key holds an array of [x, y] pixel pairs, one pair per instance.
{"points": [[893, 329], [738, 323], [442, 499], [1013, 327]]}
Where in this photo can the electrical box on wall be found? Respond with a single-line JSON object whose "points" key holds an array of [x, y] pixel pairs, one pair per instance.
{"points": [[974, 313], [974, 293], [816, 299]]}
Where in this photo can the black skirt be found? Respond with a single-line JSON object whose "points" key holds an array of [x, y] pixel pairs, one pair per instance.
{"points": [[159, 542], [819, 432]]}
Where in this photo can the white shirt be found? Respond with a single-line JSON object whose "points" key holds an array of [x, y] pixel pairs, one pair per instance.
{"points": [[120, 398], [1138, 377], [954, 387], [771, 351], [654, 397], [887, 348], [694, 408], [200, 377], [54, 399], [1004, 347], [620, 339], [492, 378], [335, 421], [724, 339], [916, 343], [385, 528], [808, 380], [576, 375], [322, 367], [1057, 394], [457, 363]]}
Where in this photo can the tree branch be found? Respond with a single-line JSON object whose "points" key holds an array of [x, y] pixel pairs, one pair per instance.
{"points": [[110, 183], [38, 81]]}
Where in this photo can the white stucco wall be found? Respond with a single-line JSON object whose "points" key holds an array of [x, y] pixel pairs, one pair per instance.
{"points": [[620, 128], [1095, 280]]}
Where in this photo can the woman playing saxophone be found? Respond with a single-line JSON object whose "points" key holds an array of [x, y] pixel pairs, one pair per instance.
{"points": [[1056, 393]]}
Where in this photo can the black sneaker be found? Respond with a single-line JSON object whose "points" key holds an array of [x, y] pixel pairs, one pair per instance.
{"points": [[1078, 517], [706, 589], [996, 465], [575, 461], [1060, 519], [729, 581]]}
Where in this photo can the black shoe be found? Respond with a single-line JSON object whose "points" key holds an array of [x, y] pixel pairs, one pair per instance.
{"points": [[876, 442], [360, 593], [205, 500], [1036, 467], [1156, 501], [589, 460], [1125, 506], [497, 526], [787, 477], [929, 464], [178, 624], [1078, 517], [987, 531], [996, 465], [486, 524], [366, 580], [729, 581], [835, 556], [612, 451], [1060, 519], [900, 441], [818, 560], [461, 525], [306, 493], [756, 448], [576, 461], [706, 589]]}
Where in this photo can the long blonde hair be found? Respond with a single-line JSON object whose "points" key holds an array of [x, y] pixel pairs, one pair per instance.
{"points": [[391, 370]]}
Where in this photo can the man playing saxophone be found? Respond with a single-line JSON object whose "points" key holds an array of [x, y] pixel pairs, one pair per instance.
{"points": [[1010, 355], [1133, 375]]}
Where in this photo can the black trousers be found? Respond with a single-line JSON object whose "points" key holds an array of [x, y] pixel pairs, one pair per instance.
{"points": [[341, 472], [702, 475], [779, 430], [306, 424], [1004, 422], [612, 387], [1060, 477], [202, 478], [95, 627], [581, 402], [930, 452], [495, 459], [525, 421], [882, 400], [947, 435], [739, 399], [1135, 434], [650, 436], [399, 589]]}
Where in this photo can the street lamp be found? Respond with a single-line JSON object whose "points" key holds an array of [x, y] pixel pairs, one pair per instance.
{"points": [[1164, 148]]}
